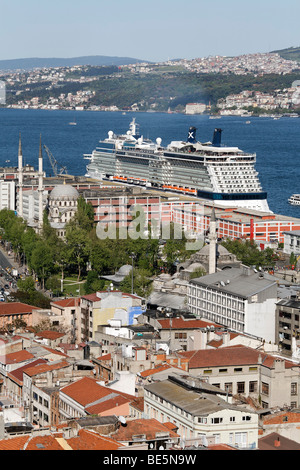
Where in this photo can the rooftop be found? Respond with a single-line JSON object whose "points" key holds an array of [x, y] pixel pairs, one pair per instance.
{"points": [[243, 282]]}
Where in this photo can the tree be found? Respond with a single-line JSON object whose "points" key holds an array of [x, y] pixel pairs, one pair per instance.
{"points": [[142, 283], [26, 285], [175, 249], [249, 254], [78, 246], [42, 261], [93, 283], [84, 214]]}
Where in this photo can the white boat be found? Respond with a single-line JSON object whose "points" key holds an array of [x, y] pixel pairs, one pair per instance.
{"points": [[205, 170], [294, 200]]}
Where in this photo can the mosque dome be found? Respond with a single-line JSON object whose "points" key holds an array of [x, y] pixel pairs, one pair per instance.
{"points": [[64, 191]]}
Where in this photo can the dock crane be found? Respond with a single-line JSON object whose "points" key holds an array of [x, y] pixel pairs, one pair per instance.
{"points": [[54, 163]]}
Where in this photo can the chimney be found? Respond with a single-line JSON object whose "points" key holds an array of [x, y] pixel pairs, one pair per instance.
{"points": [[277, 442]]}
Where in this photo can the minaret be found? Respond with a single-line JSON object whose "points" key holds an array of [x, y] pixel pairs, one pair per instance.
{"points": [[20, 177], [40, 188], [212, 243]]}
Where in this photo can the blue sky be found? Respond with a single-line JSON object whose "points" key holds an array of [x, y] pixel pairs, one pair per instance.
{"points": [[152, 30]]}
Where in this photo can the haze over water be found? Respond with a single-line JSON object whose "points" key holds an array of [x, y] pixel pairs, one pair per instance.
{"points": [[275, 142]]}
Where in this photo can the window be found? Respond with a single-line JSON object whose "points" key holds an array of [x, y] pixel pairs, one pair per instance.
{"points": [[246, 418], [265, 388], [180, 335], [202, 420], [216, 420], [238, 369], [222, 371], [294, 388], [228, 387], [240, 387], [252, 387]]}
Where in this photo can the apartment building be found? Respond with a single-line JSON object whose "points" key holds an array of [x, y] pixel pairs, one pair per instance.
{"points": [[201, 412], [270, 381], [292, 242], [87, 397], [101, 307], [288, 326], [240, 299]]}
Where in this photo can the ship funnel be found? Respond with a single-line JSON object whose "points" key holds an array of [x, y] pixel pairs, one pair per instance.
{"points": [[217, 138], [192, 135]]}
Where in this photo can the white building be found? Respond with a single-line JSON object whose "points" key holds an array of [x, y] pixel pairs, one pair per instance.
{"points": [[292, 242], [241, 299], [7, 195], [201, 412], [195, 108], [30, 206]]}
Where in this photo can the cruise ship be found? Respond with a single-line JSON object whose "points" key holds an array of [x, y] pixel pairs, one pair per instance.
{"points": [[208, 171]]}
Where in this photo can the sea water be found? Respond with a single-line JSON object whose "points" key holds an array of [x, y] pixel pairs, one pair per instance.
{"points": [[275, 142]]}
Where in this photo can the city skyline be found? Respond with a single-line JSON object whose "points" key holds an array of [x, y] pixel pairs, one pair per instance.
{"points": [[155, 32]]}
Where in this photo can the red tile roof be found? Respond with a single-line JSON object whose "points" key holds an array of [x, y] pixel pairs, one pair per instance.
{"points": [[221, 447], [10, 308], [287, 418], [107, 405], [106, 357], [228, 356], [86, 391], [159, 368], [85, 440], [49, 334], [274, 441], [181, 324], [14, 443], [71, 302], [14, 358], [89, 440], [17, 374], [149, 427], [42, 368], [49, 442], [91, 297]]}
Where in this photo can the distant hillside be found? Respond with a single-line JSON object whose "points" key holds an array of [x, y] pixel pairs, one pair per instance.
{"points": [[292, 53], [35, 62]]}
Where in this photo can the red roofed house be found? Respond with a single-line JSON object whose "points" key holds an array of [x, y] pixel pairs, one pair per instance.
{"points": [[247, 372], [86, 397], [41, 386], [286, 423], [13, 361], [10, 311], [84, 440], [14, 380], [50, 338], [157, 435]]}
